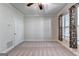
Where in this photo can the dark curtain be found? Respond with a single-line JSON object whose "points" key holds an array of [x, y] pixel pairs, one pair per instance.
{"points": [[73, 26], [60, 27]]}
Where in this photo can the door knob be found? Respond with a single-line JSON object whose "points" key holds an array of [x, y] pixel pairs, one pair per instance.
{"points": [[14, 33]]}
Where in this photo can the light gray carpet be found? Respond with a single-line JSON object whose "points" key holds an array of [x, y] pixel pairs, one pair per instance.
{"points": [[40, 49]]}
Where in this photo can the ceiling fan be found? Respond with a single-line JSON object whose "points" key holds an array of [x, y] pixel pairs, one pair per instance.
{"points": [[39, 4]]}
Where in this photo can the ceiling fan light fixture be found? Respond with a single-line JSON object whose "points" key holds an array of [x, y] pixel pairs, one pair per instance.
{"points": [[40, 6], [29, 4]]}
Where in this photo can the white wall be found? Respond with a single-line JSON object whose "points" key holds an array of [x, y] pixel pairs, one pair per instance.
{"points": [[8, 17], [54, 26], [39, 28]]}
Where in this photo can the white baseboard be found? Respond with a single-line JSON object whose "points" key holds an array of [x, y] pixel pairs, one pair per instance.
{"points": [[7, 50], [39, 40]]}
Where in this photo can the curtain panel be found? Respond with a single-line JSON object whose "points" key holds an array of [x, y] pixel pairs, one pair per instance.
{"points": [[60, 27], [73, 26]]}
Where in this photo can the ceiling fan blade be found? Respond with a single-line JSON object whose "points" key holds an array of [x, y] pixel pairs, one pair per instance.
{"points": [[29, 4], [40, 6]]}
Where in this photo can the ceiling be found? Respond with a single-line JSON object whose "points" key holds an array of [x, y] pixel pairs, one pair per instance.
{"points": [[49, 8]]}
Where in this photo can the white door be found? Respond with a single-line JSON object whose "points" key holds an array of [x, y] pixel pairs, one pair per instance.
{"points": [[18, 30]]}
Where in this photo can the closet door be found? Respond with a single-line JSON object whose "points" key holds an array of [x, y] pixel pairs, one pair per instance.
{"points": [[19, 29]]}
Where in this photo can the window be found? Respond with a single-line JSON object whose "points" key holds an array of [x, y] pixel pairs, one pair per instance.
{"points": [[65, 26]]}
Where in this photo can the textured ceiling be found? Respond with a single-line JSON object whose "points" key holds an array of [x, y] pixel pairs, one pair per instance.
{"points": [[49, 8]]}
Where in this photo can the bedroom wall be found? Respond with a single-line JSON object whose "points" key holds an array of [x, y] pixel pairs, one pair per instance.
{"points": [[8, 18], [39, 28]]}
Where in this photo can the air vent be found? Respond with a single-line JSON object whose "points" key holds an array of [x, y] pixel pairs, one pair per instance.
{"points": [[9, 44]]}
